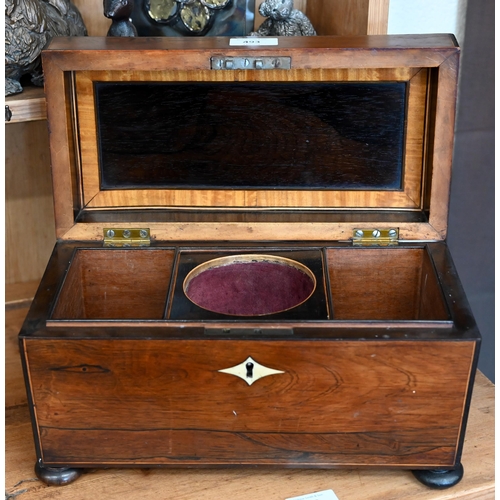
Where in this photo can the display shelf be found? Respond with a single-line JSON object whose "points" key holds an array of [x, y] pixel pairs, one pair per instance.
{"points": [[19, 295], [27, 106]]}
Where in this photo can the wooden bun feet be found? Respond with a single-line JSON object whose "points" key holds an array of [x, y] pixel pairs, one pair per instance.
{"points": [[436, 479], [55, 476], [440, 479]]}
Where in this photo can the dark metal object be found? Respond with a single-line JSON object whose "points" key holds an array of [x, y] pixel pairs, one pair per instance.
{"points": [[55, 476], [8, 113], [193, 17], [29, 26], [119, 11], [440, 479], [283, 20]]}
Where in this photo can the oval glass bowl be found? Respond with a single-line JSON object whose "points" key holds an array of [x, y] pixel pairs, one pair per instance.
{"points": [[249, 285]]}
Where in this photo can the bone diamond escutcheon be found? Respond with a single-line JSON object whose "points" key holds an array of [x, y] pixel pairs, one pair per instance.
{"points": [[250, 371]]}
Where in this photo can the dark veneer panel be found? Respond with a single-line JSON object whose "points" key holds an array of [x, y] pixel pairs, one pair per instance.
{"points": [[212, 135]]}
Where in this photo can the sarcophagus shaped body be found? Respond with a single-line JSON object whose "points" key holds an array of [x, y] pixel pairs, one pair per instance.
{"points": [[251, 266]]}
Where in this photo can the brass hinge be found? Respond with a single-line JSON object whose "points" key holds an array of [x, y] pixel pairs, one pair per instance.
{"points": [[114, 237], [375, 237]]}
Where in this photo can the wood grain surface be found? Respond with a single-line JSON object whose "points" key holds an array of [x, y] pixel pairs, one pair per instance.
{"points": [[20, 294], [145, 402], [342, 17], [237, 484], [29, 212], [204, 135], [384, 284], [92, 12], [28, 106], [116, 285], [349, 17]]}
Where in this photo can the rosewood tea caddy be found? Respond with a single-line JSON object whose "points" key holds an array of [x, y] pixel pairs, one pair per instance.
{"points": [[251, 266]]}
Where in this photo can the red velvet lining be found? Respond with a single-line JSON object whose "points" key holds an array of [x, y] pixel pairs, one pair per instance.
{"points": [[250, 289]]}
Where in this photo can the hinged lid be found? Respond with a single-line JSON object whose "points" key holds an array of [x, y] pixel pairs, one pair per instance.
{"points": [[350, 133]]}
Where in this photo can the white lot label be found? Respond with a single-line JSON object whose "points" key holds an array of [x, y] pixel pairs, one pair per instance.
{"points": [[320, 495], [253, 40]]}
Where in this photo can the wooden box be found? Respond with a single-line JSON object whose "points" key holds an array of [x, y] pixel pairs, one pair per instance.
{"points": [[251, 266]]}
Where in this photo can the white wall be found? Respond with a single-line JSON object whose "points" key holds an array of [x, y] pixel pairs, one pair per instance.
{"points": [[472, 205], [427, 16]]}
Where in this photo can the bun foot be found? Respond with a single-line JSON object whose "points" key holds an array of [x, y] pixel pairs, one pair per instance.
{"points": [[440, 479], [56, 476]]}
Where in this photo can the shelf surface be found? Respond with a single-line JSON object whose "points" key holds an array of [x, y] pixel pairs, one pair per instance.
{"points": [[29, 105]]}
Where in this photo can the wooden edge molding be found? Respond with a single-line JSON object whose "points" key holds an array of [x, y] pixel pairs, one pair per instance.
{"points": [[233, 231], [442, 151], [382, 51]]}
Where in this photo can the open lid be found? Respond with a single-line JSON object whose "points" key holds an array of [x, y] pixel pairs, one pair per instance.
{"points": [[201, 139]]}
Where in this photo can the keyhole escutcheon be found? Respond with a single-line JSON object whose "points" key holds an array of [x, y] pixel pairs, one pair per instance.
{"points": [[250, 371]]}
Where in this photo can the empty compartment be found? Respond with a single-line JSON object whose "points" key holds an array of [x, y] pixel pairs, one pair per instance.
{"points": [[384, 284], [116, 284], [249, 285]]}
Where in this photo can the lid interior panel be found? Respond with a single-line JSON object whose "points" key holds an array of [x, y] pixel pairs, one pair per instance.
{"points": [[311, 139], [251, 135]]}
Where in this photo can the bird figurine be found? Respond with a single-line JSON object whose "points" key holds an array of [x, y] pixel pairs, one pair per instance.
{"points": [[119, 11], [29, 26], [283, 20]]}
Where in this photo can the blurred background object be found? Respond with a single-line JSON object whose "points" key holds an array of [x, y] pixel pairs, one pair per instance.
{"points": [[119, 12], [29, 26], [193, 17], [283, 20]]}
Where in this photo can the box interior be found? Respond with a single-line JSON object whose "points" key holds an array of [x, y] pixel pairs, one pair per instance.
{"points": [[316, 307], [384, 284], [249, 285], [379, 284], [116, 284]]}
